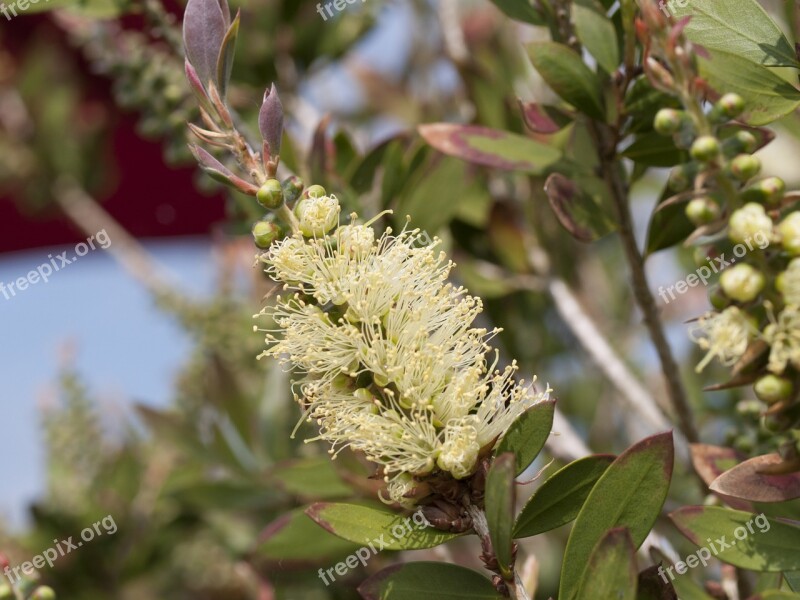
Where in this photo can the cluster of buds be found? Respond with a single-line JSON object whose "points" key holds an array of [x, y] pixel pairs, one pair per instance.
{"points": [[755, 327], [26, 588]]}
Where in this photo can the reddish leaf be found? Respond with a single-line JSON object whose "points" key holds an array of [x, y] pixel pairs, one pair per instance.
{"points": [[712, 461], [749, 481], [490, 147]]}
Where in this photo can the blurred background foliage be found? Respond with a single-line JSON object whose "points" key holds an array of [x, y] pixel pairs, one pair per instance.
{"points": [[203, 492]]}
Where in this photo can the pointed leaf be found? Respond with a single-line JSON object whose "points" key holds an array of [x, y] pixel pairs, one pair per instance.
{"points": [[540, 118], [204, 28], [364, 524], [490, 147], [651, 586], [582, 205], [295, 541], [611, 572], [520, 10], [429, 580], [500, 508], [712, 461], [748, 481], [568, 76], [528, 434], [740, 27], [597, 33], [311, 478], [226, 54], [560, 498], [766, 95], [270, 120], [629, 494], [771, 547]]}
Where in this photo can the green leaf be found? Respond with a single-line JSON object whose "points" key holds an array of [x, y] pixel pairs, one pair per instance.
{"points": [[767, 96], [96, 9], [560, 498], [520, 10], [226, 55], [771, 547], [364, 524], [654, 150], [429, 580], [611, 572], [311, 478], [668, 226], [597, 33], [490, 147], [568, 76], [500, 508], [629, 494], [793, 580], [740, 27], [527, 435], [294, 540], [582, 204], [775, 595]]}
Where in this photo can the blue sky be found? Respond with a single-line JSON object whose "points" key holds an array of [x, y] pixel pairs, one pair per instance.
{"points": [[125, 348]]}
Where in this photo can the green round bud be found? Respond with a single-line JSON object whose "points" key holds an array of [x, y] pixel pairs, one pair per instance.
{"points": [[731, 105], [771, 389], [789, 230], [743, 142], [270, 195], [668, 121], [770, 191], [681, 177], [745, 166], [705, 148], [44, 593], [292, 188], [742, 283], [749, 408], [702, 211], [265, 232], [315, 191]]}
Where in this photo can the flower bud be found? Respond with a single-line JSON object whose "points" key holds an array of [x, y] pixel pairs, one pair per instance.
{"points": [[315, 191], [270, 195], [265, 232], [743, 142], [459, 452], [355, 240], [749, 223], [668, 121], [317, 214], [789, 230], [681, 177], [772, 389], [702, 211], [292, 188], [732, 105], [788, 283], [742, 283], [44, 593], [745, 166], [705, 148], [770, 191]]}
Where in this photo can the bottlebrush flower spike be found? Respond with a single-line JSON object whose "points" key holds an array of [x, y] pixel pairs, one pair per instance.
{"points": [[387, 358]]}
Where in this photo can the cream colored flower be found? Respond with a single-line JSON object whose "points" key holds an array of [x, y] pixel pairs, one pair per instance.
{"points": [[387, 359], [789, 283], [725, 335], [751, 222], [317, 215], [783, 336]]}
